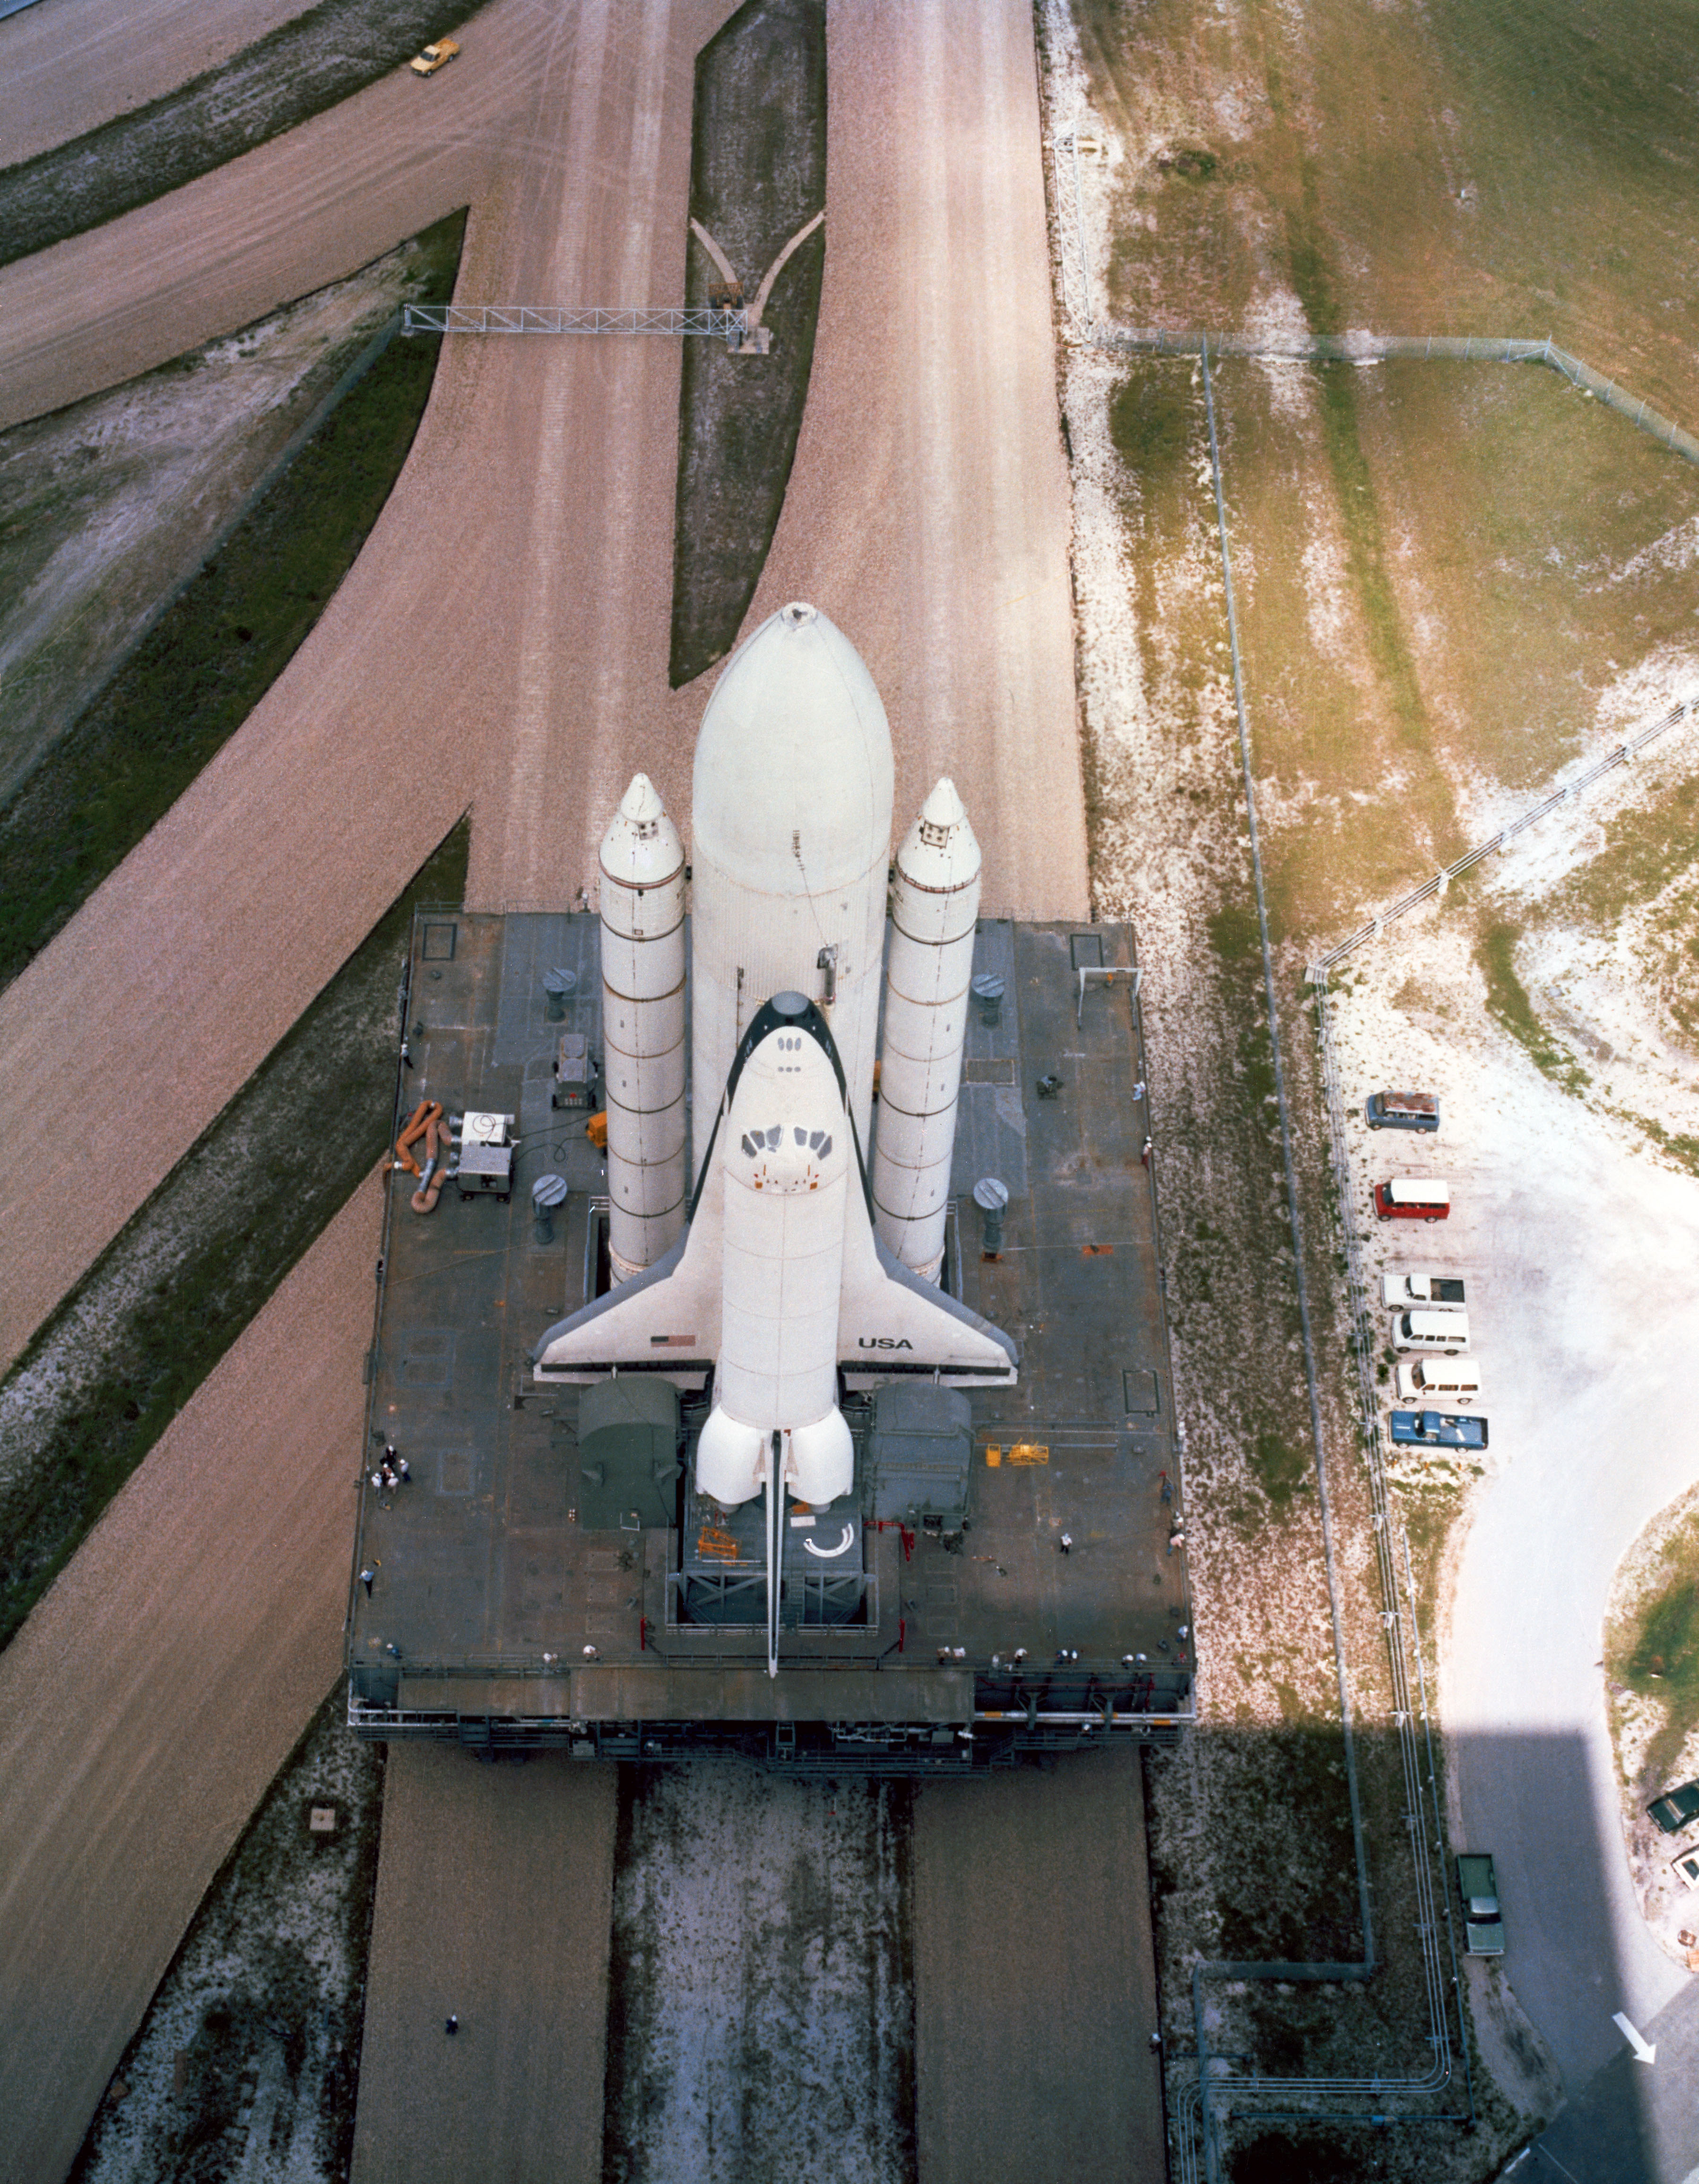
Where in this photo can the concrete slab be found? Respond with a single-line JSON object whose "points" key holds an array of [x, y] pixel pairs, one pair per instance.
{"points": [[1035, 1991], [494, 1894]]}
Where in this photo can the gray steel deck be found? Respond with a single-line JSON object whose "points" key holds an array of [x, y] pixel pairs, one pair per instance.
{"points": [[486, 1591]]}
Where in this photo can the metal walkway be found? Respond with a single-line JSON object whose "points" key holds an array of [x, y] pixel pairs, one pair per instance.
{"points": [[563, 319]]}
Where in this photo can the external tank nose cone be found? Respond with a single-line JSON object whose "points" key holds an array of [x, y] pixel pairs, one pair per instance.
{"points": [[794, 760]]}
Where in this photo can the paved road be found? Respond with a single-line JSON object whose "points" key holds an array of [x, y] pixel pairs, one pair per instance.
{"points": [[152, 1697], [1035, 1981], [1633, 2122], [1590, 1403], [494, 1891], [68, 66]]}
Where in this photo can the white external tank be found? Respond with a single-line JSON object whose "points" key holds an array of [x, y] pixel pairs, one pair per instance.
{"points": [[790, 849], [642, 1029], [788, 1171], [934, 905]]}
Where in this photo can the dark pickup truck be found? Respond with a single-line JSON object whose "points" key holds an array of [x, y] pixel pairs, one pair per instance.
{"points": [[1674, 1809], [1437, 1429], [1483, 1923]]}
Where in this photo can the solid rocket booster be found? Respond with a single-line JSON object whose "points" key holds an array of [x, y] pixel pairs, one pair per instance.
{"points": [[642, 1029], [934, 905], [790, 849]]}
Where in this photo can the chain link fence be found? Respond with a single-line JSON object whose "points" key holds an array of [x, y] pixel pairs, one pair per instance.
{"points": [[1365, 349]]}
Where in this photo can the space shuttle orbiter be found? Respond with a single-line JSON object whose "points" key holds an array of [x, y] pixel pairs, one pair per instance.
{"points": [[772, 1254]]}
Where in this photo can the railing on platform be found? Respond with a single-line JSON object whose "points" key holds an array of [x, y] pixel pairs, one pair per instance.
{"points": [[565, 319]]}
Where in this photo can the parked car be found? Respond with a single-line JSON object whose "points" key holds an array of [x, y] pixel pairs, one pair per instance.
{"points": [[1447, 1332], [1477, 1885], [1441, 1291], [1675, 1809], [1685, 1866], [1436, 1381], [1437, 1429], [435, 56], [1413, 1198], [1402, 1111]]}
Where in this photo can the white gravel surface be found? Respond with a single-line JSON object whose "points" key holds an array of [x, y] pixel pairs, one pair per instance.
{"points": [[768, 1999]]}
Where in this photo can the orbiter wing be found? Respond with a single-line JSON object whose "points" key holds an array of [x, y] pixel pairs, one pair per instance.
{"points": [[891, 1324]]}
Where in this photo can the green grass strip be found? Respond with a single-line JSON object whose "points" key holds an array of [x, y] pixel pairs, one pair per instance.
{"points": [[1508, 1001], [757, 173], [1655, 1651], [295, 72], [218, 648], [128, 1348]]}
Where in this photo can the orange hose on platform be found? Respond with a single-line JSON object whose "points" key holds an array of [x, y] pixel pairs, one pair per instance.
{"points": [[436, 1139], [423, 1115]]}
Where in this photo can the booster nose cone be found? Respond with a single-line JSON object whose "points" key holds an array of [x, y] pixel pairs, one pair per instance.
{"points": [[641, 848]]}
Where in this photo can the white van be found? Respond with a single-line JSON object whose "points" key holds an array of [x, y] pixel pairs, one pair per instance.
{"points": [[1431, 1330], [1439, 1382]]}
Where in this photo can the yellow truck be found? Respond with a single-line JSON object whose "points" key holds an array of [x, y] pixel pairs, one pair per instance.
{"points": [[435, 56]]}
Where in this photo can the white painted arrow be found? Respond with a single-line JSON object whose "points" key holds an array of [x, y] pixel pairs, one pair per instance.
{"points": [[1643, 2052]]}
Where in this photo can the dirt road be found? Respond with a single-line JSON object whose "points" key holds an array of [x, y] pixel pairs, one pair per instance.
{"points": [[928, 508], [305, 208], [440, 652], [156, 1691], [1034, 1987], [493, 1896], [68, 66], [502, 641]]}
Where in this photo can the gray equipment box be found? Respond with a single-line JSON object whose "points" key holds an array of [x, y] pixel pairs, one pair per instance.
{"points": [[919, 1454], [572, 1071], [485, 1163], [628, 1455]]}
